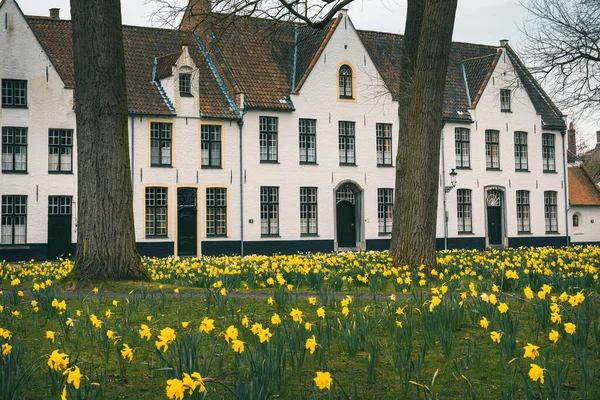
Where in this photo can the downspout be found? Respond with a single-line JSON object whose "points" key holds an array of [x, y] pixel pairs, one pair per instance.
{"points": [[444, 191], [562, 133], [132, 152], [241, 126]]}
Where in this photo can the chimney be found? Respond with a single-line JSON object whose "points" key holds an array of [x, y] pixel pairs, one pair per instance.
{"points": [[503, 42], [198, 14], [572, 140], [55, 13]]}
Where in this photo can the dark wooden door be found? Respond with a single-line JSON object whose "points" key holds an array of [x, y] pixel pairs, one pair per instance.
{"points": [[187, 222], [346, 230], [494, 217], [59, 226]]}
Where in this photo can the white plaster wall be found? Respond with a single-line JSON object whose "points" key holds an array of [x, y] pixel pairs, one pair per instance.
{"points": [[589, 224], [522, 117], [318, 100], [49, 105], [184, 106]]}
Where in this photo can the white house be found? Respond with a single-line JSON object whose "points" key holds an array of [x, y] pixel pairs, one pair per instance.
{"points": [[260, 141]]}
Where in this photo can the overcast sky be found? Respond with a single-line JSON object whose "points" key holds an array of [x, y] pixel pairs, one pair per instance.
{"points": [[477, 21]]}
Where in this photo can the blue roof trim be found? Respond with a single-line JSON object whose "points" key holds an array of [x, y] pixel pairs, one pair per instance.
{"points": [[462, 64], [295, 56], [160, 88], [215, 73]]}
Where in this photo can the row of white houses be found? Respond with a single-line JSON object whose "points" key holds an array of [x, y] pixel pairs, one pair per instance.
{"points": [[279, 145]]}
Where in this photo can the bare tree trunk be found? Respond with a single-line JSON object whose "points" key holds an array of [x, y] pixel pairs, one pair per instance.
{"points": [[414, 241], [106, 247]]}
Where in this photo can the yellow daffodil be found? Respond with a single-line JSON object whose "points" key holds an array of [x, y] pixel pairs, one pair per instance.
{"points": [[536, 373], [531, 351], [323, 380]]}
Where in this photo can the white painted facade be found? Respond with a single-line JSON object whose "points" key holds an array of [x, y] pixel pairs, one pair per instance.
{"points": [[588, 229], [50, 105]]}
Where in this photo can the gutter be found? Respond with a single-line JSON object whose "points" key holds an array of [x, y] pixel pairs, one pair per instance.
{"points": [[132, 152], [567, 206], [241, 126]]}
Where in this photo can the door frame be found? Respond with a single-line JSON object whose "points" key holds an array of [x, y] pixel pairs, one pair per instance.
{"points": [[359, 233], [503, 233], [199, 210], [72, 222]]}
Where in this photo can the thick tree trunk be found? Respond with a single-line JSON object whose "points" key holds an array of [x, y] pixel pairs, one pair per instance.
{"points": [[414, 239], [106, 247]]}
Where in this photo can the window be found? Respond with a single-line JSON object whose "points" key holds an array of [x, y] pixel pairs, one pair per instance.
{"points": [[60, 150], [14, 220], [161, 144], [463, 199], [156, 212], [504, 99], [14, 149], [269, 211], [59, 205], [216, 212], [308, 141], [210, 146], [462, 147], [14, 93], [521, 151], [346, 143], [185, 85], [575, 220], [268, 139], [548, 152], [308, 210], [550, 212], [345, 82], [385, 206], [384, 144], [492, 149], [523, 221]]}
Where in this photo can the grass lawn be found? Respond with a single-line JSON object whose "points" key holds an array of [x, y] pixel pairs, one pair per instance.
{"points": [[379, 331]]}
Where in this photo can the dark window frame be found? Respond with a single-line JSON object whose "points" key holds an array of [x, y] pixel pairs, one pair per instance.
{"points": [[575, 220], [269, 208], [216, 201], [307, 139], [460, 145], [345, 82], [551, 211], [505, 100], [523, 211], [548, 152], [385, 207], [309, 210], [11, 212], [490, 145], [60, 205], [383, 134], [161, 133], [212, 145], [59, 141], [10, 100], [464, 210], [185, 84], [153, 202], [346, 139], [268, 139], [521, 151], [9, 146]]}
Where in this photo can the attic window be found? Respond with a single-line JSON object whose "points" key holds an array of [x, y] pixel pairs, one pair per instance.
{"points": [[345, 82], [505, 100], [185, 84]]}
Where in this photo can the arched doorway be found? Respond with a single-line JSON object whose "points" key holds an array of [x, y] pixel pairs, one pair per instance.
{"points": [[494, 198], [347, 212]]}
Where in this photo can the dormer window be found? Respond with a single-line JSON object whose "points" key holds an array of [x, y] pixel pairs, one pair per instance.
{"points": [[505, 100], [185, 84], [345, 82]]}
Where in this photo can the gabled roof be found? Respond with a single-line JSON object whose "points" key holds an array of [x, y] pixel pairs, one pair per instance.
{"points": [[552, 118], [582, 190], [478, 71], [142, 45], [165, 64]]}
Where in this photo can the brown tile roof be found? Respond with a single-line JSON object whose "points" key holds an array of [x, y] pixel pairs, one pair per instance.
{"points": [[165, 64], [477, 73], [582, 190], [142, 45]]}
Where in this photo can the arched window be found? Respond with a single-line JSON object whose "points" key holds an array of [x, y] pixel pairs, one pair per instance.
{"points": [[345, 82], [575, 220]]}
